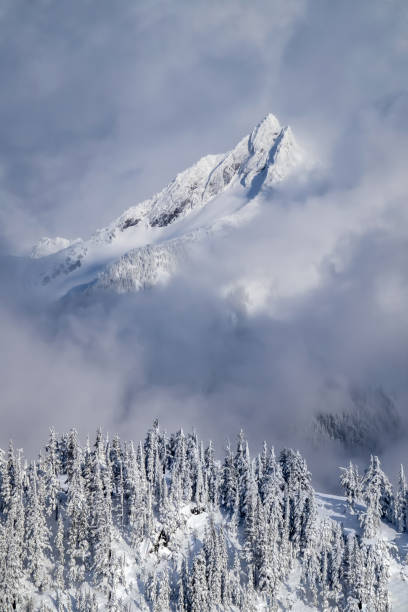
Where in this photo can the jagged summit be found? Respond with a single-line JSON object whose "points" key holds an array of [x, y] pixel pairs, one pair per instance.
{"points": [[263, 136], [263, 151], [146, 235]]}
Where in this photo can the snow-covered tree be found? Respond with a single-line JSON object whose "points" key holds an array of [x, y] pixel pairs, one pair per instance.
{"points": [[37, 535], [112, 526], [350, 481], [198, 588], [401, 503], [101, 526], [52, 470], [229, 485], [377, 490], [163, 596]]}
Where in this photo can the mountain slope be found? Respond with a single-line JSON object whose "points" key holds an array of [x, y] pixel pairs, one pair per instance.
{"points": [[140, 248], [163, 525]]}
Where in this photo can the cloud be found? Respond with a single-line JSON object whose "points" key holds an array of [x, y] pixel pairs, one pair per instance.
{"points": [[197, 354], [101, 108], [97, 100]]}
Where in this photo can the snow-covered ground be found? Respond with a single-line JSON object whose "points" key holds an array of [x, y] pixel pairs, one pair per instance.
{"points": [[335, 508], [190, 535]]}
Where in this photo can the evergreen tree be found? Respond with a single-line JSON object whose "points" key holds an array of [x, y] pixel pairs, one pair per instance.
{"points": [[180, 606], [377, 490], [60, 555], [12, 536], [267, 557], [151, 589], [134, 492], [151, 450], [271, 484], [400, 511], [212, 476], [244, 475], [163, 598], [101, 527], [78, 512], [350, 482], [229, 485], [198, 584], [5, 485], [377, 493], [52, 471], [97, 500], [36, 535], [235, 581], [11, 567]]}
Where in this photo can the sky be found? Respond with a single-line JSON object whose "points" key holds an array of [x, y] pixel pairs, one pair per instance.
{"points": [[101, 106]]}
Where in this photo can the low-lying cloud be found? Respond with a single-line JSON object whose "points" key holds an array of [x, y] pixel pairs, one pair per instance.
{"points": [[263, 328]]}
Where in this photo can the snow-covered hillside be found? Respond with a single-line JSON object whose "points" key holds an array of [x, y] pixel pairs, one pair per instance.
{"points": [[49, 246], [165, 525], [141, 247]]}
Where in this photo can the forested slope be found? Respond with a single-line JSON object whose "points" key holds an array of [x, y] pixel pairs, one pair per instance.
{"points": [[165, 525]]}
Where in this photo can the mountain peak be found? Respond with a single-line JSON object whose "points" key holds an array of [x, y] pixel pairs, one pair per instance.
{"points": [[146, 237], [264, 134]]}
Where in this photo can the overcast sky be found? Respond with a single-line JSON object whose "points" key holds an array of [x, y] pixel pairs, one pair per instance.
{"points": [[103, 103]]}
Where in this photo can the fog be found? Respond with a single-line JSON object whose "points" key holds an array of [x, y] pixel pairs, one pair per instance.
{"points": [[101, 108]]}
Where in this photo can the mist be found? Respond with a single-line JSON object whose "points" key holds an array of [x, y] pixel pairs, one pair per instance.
{"points": [[264, 328]]}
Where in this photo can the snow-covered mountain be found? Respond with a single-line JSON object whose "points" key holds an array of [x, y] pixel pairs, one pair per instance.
{"points": [[142, 247], [146, 245]]}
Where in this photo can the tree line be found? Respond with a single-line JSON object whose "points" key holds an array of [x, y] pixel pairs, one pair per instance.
{"points": [[104, 526]]}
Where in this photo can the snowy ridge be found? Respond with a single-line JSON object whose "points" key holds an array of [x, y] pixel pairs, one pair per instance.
{"points": [[163, 525], [109, 259], [49, 246]]}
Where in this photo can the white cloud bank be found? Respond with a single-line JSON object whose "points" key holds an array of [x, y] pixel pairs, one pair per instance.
{"points": [[102, 107]]}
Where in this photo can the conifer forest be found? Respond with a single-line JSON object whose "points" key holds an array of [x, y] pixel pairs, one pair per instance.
{"points": [[167, 524]]}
